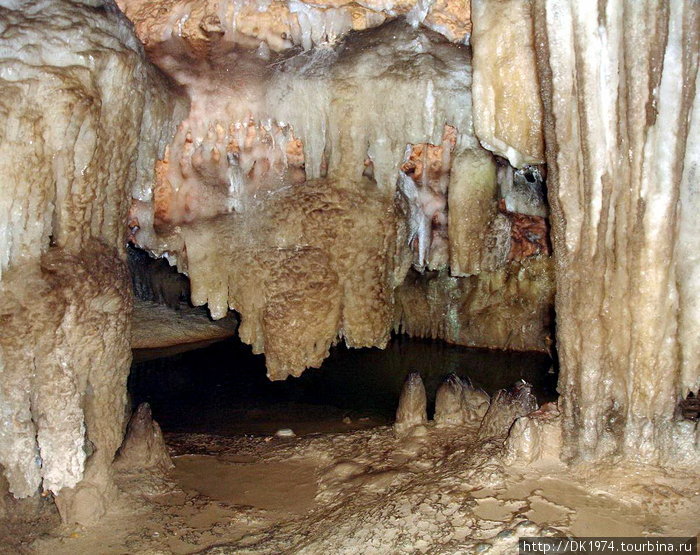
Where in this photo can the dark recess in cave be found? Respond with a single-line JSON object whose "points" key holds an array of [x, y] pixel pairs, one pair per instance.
{"points": [[223, 389]]}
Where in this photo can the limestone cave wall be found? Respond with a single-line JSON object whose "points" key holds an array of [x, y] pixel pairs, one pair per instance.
{"points": [[618, 84], [327, 172], [330, 185], [83, 118]]}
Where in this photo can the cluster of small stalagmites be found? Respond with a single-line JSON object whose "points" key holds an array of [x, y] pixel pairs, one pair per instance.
{"points": [[459, 403], [507, 406]]}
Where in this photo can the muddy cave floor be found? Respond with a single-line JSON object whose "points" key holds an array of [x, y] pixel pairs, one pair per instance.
{"points": [[367, 491], [346, 483]]}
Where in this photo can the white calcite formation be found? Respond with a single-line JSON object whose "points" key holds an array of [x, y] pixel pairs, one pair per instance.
{"points": [[620, 93], [83, 118], [506, 86]]}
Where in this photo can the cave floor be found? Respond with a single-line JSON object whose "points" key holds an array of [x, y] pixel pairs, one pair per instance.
{"points": [[368, 491]]}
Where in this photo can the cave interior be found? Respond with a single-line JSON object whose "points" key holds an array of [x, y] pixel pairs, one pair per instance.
{"points": [[280, 276]]}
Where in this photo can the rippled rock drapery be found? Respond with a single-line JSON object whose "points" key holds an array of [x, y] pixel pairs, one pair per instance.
{"points": [[274, 25], [339, 162], [508, 120], [507, 308], [622, 105], [83, 117]]}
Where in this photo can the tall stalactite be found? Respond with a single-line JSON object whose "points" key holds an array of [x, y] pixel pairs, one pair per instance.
{"points": [[619, 88]]}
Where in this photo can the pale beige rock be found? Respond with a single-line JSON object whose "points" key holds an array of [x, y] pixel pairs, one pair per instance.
{"points": [[621, 97], [458, 403], [475, 404], [143, 447], [478, 235], [535, 438], [508, 308], [65, 355], [83, 117], [411, 411], [281, 25], [449, 402], [507, 106], [301, 271]]}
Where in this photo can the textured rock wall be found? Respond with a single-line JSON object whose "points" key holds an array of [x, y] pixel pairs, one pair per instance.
{"points": [[279, 25], [64, 355], [83, 117], [506, 87], [508, 308], [619, 83]]}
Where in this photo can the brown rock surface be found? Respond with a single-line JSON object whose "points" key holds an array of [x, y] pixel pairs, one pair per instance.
{"points": [[281, 25], [155, 326], [143, 447], [508, 308]]}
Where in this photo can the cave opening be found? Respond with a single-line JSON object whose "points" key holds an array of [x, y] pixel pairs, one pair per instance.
{"points": [[222, 389]]}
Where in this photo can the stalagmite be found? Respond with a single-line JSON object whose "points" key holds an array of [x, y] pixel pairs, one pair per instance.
{"points": [[143, 447], [535, 438], [457, 402], [621, 97], [475, 403], [411, 411], [449, 402], [506, 406]]}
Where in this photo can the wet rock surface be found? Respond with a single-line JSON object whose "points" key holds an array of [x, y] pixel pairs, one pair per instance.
{"points": [[374, 492]]}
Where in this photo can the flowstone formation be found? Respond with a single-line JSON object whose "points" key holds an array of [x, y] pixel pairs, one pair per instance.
{"points": [[82, 120], [301, 189], [274, 26], [622, 125]]}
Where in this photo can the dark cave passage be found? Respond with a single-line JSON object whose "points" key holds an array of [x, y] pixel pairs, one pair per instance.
{"points": [[222, 389]]}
